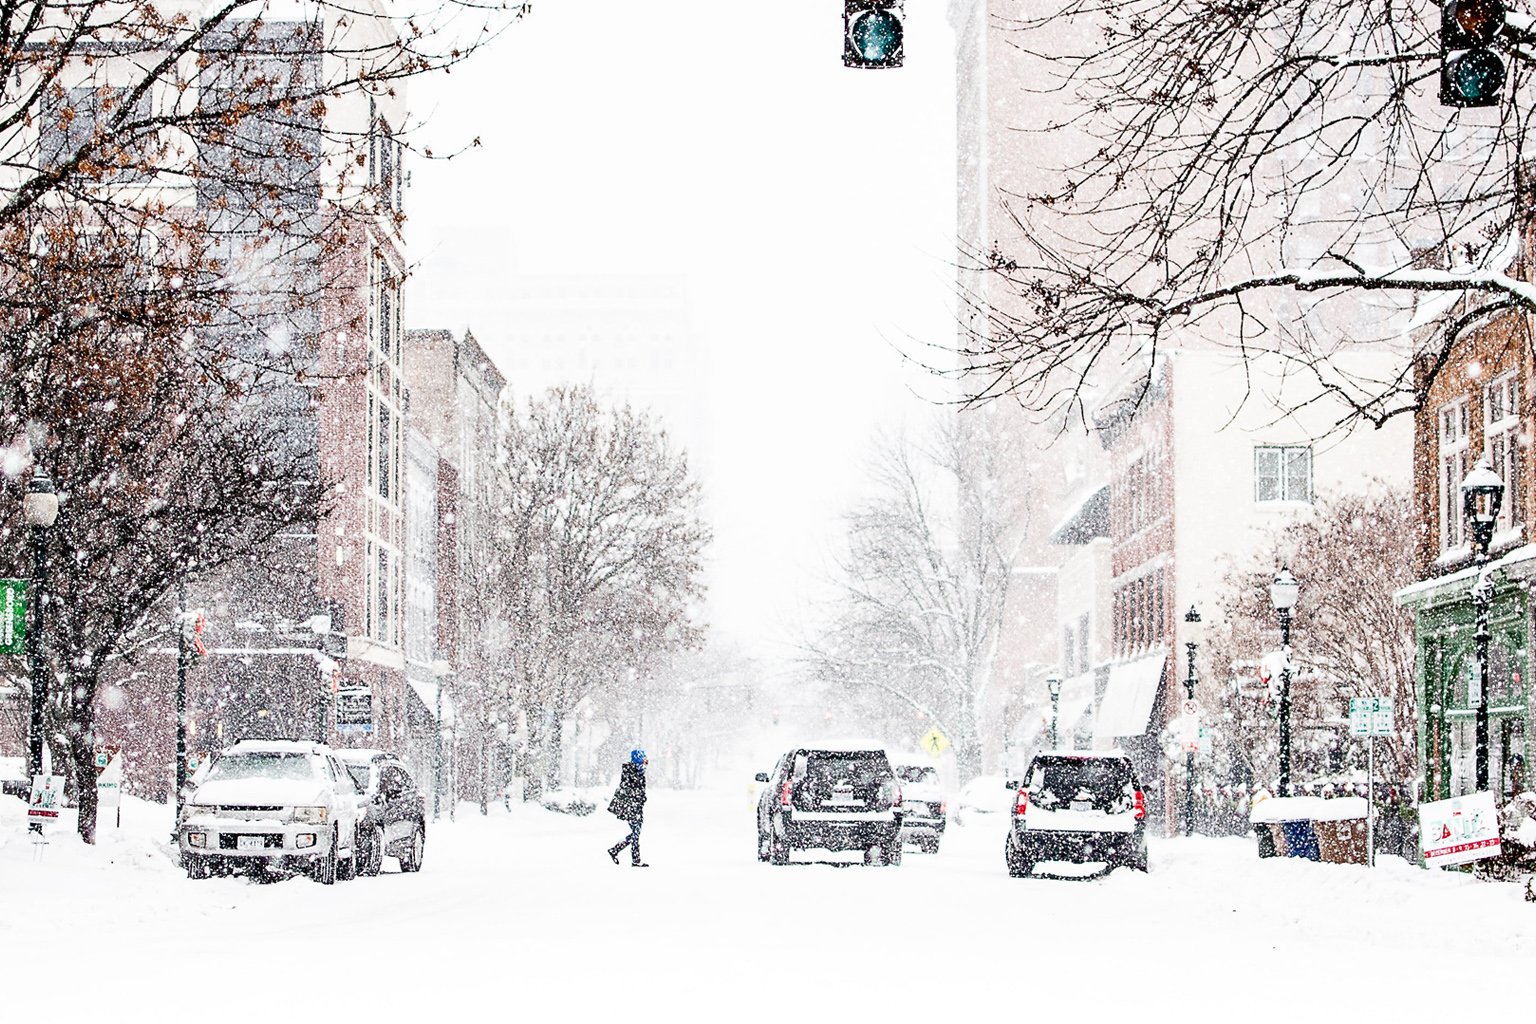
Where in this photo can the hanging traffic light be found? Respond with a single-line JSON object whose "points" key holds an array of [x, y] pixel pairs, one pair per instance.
{"points": [[1471, 74], [872, 31]]}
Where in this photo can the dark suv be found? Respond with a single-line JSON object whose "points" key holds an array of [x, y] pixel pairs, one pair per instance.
{"points": [[830, 799], [391, 816], [1082, 808]]}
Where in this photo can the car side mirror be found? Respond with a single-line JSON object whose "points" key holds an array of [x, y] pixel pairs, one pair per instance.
{"points": [[761, 777], [1011, 784]]}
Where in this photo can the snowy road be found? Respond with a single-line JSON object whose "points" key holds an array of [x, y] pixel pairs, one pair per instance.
{"points": [[522, 916]]}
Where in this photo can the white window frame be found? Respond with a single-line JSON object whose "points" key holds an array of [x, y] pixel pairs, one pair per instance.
{"points": [[1501, 442], [1288, 491], [1454, 441]]}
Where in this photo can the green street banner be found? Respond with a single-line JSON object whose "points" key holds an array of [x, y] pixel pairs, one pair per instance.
{"points": [[13, 616]]}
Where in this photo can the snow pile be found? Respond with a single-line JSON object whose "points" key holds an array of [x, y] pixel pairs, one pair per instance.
{"points": [[1275, 809]]}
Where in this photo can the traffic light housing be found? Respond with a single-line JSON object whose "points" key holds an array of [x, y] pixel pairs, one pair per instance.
{"points": [[872, 33], [1471, 73]]}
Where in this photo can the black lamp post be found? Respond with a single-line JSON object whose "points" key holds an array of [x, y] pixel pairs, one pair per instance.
{"points": [[40, 508], [1192, 629], [1482, 492], [1053, 684], [1282, 594]]}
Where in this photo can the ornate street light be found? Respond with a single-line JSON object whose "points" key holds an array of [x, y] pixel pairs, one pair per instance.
{"points": [[40, 508], [1283, 593], [1192, 630], [1482, 494]]}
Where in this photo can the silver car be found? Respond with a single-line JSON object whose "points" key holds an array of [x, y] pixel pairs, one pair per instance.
{"points": [[281, 804]]}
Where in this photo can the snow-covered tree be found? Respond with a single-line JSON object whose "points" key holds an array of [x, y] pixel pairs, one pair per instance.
{"points": [[1257, 176], [601, 548], [1348, 637], [922, 587]]}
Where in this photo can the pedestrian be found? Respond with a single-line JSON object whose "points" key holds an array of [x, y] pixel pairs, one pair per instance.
{"points": [[628, 804]]}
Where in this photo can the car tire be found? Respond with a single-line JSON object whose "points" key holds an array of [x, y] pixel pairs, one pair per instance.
{"points": [[778, 850], [198, 868], [890, 853], [325, 866], [1018, 865], [370, 851], [346, 867], [410, 860], [1138, 861], [930, 845], [763, 846]]}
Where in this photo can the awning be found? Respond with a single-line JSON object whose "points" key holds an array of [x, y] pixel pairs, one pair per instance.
{"points": [[427, 694], [1128, 700]]}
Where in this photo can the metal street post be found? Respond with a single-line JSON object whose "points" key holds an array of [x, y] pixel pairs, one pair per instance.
{"points": [[182, 657], [1282, 594], [40, 508], [1053, 685], [1192, 622], [1482, 492]]}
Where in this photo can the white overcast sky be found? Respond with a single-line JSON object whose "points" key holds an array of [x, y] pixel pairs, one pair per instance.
{"points": [[801, 214]]}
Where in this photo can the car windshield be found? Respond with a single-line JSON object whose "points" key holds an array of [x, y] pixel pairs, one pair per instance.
{"points": [[912, 773], [263, 765], [1059, 781], [359, 773]]}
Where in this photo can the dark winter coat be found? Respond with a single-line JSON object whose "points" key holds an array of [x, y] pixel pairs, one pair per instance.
{"points": [[628, 803]]}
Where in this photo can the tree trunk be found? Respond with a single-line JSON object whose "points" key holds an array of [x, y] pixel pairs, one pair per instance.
{"points": [[552, 749], [82, 763]]}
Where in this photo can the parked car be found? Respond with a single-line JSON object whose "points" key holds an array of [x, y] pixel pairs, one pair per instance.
{"points": [[392, 819], [923, 806], [833, 799], [280, 804], [984, 798], [1080, 808]]}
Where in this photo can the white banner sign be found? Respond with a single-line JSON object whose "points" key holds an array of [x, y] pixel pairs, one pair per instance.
{"points": [[1459, 830]]}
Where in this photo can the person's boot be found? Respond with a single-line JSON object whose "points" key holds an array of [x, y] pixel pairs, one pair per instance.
{"points": [[639, 864], [613, 853]]}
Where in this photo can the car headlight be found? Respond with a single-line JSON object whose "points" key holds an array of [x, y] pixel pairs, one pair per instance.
{"points": [[189, 811], [310, 815]]}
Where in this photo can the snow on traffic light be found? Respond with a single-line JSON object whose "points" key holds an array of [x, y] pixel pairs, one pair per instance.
{"points": [[1471, 74], [872, 33]]}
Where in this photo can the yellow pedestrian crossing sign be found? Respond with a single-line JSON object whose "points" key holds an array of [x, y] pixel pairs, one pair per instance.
{"points": [[935, 742]]}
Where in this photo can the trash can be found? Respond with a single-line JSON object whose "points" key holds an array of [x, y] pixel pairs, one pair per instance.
{"points": [[1343, 841], [1266, 839], [1301, 839]]}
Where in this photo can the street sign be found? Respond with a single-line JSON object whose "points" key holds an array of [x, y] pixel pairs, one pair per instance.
{"points": [[935, 742], [46, 798], [1370, 716], [354, 709], [1459, 830], [13, 616], [1191, 708]]}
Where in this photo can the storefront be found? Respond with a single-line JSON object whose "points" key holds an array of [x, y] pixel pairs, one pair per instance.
{"points": [[1447, 676]]}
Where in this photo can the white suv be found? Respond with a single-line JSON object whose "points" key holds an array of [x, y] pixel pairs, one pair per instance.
{"points": [[284, 804]]}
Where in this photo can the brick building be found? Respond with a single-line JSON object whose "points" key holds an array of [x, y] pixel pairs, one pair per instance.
{"points": [[1478, 405]]}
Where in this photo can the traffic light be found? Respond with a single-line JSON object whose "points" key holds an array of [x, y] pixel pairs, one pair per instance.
{"points": [[872, 31], [1471, 74]]}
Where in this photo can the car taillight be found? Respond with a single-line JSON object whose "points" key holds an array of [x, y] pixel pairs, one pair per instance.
{"points": [[784, 795], [1141, 805], [943, 807], [1022, 803], [897, 801]]}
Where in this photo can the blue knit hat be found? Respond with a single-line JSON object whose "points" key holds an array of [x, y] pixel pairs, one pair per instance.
{"points": [[637, 757]]}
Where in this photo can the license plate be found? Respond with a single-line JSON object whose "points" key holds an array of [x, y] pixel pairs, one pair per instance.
{"points": [[1082, 805], [250, 842]]}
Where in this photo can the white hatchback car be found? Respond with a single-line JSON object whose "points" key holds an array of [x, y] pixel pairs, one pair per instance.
{"points": [[283, 804]]}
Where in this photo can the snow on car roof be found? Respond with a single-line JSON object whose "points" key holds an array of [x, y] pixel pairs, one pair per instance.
{"points": [[360, 755], [284, 746]]}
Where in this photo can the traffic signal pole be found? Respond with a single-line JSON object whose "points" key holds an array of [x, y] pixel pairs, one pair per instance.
{"points": [[182, 657]]}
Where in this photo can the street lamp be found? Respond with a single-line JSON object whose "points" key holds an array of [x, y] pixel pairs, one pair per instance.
{"points": [[1053, 685], [1192, 630], [40, 507], [1482, 492], [1282, 594]]}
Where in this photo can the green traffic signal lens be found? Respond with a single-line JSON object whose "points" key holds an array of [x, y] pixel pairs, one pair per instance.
{"points": [[876, 35], [1479, 75]]}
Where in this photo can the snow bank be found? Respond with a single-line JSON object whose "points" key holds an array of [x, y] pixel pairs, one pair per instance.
{"points": [[1307, 808]]}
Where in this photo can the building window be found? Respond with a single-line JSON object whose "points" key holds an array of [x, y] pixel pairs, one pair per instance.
{"points": [[1453, 468], [1068, 651], [1082, 644], [385, 435], [1282, 473], [1501, 434]]}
